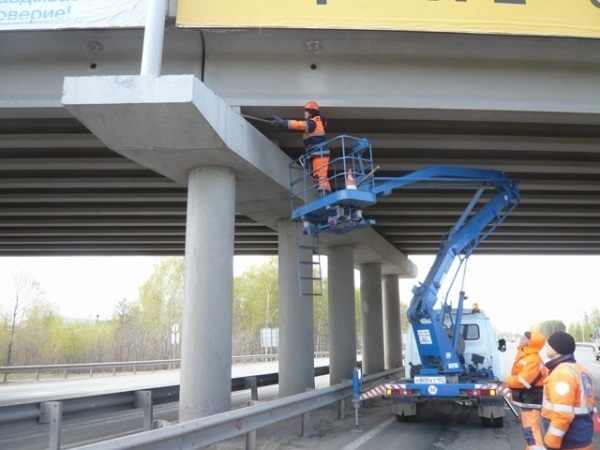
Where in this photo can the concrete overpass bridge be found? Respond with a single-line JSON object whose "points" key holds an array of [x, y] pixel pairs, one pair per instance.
{"points": [[98, 159]]}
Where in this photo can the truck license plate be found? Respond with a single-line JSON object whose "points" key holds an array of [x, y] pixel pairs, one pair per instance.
{"points": [[430, 380]]}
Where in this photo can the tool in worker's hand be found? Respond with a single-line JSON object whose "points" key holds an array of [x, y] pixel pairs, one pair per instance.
{"points": [[511, 407], [256, 118]]}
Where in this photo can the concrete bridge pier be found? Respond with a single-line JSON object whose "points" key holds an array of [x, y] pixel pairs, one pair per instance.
{"points": [[371, 318], [392, 332], [296, 347], [342, 323], [208, 296]]}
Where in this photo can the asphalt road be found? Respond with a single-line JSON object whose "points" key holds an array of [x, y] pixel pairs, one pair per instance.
{"points": [[377, 428]]}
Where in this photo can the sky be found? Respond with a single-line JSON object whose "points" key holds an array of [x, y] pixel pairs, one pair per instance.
{"points": [[514, 291]]}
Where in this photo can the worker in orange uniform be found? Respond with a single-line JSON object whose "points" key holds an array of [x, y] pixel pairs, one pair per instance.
{"points": [[527, 385], [569, 391], [313, 134]]}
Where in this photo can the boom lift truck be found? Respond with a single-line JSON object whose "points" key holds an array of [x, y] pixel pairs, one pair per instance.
{"points": [[443, 375]]}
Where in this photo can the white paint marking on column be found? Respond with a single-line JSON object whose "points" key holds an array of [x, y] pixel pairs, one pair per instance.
{"points": [[367, 436]]}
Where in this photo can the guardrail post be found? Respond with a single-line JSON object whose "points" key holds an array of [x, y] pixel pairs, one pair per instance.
{"points": [[342, 409], [306, 425], [51, 412], [342, 403], [251, 435], [250, 383], [143, 399]]}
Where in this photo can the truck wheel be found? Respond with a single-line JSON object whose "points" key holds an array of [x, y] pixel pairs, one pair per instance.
{"points": [[409, 419], [413, 418], [492, 422]]}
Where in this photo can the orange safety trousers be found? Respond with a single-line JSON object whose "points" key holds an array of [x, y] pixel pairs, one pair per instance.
{"points": [[320, 165], [530, 421]]}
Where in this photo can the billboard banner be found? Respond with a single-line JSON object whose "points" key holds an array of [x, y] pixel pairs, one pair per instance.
{"points": [[578, 18], [67, 14]]}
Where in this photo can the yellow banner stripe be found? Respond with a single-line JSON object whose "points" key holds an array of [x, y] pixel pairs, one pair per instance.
{"points": [[579, 18]]}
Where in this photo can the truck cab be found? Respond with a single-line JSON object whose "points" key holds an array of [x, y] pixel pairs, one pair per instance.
{"points": [[476, 389], [478, 346]]}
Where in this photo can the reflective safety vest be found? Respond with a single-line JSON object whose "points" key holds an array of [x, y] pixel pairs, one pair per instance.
{"points": [[528, 374], [568, 406], [313, 133]]}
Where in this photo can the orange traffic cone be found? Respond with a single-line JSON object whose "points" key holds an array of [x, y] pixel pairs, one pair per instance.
{"points": [[350, 184]]}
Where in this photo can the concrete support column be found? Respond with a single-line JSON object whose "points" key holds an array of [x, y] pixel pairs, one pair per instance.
{"points": [[296, 347], [392, 331], [208, 295], [371, 318], [342, 322]]}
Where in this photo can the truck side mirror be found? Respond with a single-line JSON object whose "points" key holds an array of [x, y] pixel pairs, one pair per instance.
{"points": [[502, 345]]}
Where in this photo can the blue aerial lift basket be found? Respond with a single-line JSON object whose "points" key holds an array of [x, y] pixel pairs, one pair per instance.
{"points": [[350, 174]]}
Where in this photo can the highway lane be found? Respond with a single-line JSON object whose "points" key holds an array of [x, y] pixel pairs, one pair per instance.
{"points": [[19, 392], [377, 427]]}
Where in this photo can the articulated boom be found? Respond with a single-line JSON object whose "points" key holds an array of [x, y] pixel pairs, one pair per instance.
{"points": [[438, 353], [356, 187]]}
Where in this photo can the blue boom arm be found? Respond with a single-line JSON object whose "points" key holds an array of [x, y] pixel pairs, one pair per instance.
{"points": [[341, 212], [437, 351]]}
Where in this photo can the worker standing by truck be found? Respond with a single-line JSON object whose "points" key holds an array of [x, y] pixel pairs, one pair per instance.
{"points": [[527, 384], [568, 407], [313, 136]]}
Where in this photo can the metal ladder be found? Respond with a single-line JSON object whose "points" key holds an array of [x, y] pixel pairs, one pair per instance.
{"points": [[309, 284]]}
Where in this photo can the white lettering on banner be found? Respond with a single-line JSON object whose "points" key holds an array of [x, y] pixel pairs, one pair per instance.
{"points": [[66, 14]]}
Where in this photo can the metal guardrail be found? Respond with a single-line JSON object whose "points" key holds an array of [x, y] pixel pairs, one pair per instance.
{"points": [[66, 368], [53, 412], [34, 408], [134, 365], [221, 427]]}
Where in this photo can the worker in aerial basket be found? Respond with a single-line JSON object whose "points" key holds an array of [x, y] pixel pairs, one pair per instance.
{"points": [[313, 134], [527, 384], [568, 407]]}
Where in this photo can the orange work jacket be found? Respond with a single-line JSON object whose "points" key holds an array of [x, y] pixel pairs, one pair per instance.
{"points": [[528, 374], [568, 405], [313, 132]]}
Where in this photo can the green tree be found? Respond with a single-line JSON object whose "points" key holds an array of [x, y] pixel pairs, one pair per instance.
{"points": [[39, 335], [549, 326], [321, 320], [160, 307], [255, 306], [26, 291]]}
